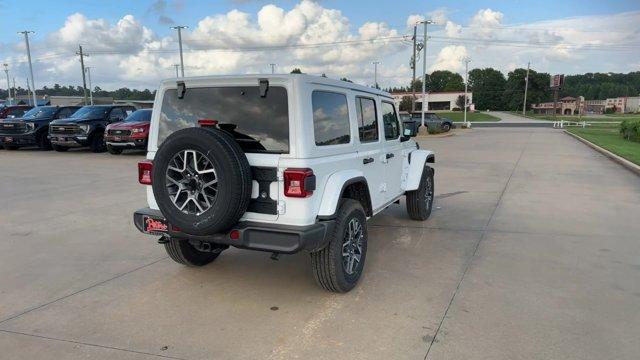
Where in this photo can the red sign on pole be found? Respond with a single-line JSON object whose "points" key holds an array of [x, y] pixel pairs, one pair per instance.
{"points": [[557, 81]]}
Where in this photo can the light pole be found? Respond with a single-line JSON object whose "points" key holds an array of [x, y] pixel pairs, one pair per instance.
{"points": [[273, 68], [33, 85], [413, 67], [88, 70], [425, 104], [526, 86], [375, 73], [6, 71], [466, 86], [179, 28], [176, 66], [82, 68]]}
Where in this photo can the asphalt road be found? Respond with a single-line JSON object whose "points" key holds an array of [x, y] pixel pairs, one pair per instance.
{"points": [[533, 252]]}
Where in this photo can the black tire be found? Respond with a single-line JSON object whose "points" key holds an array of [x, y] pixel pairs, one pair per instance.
{"points": [[328, 264], [59, 148], [43, 141], [10, 147], [182, 252], [97, 144], [233, 175], [420, 201], [446, 127], [114, 151]]}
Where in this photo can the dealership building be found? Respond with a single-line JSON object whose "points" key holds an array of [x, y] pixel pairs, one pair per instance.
{"points": [[436, 100], [578, 105]]}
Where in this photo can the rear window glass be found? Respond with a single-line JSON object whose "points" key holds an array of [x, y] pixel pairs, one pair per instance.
{"points": [[259, 124], [330, 118]]}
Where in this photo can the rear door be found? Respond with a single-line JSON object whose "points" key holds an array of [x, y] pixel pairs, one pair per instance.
{"points": [[393, 154], [258, 122], [370, 150]]}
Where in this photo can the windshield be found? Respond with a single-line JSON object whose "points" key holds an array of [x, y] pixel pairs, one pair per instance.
{"points": [[39, 112], [139, 116], [259, 124], [90, 112]]}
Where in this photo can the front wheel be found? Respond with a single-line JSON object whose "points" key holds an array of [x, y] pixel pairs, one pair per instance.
{"points": [[182, 252], [446, 127], [59, 148], [339, 265], [420, 201], [43, 141], [97, 143], [113, 150]]}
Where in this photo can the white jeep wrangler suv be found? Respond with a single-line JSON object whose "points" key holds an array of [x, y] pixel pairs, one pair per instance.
{"points": [[280, 163]]}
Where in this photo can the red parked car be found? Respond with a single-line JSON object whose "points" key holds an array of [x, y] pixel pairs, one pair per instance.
{"points": [[132, 133], [14, 111]]}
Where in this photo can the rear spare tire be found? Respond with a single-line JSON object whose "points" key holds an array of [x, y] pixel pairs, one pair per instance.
{"points": [[201, 180]]}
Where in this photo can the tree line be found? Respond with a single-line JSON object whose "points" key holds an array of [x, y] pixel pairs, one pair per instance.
{"points": [[492, 90], [60, 90]]}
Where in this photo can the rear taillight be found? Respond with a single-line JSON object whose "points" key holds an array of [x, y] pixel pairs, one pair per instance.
{"points": [[207, 122], [145, 168], [299, 182]]}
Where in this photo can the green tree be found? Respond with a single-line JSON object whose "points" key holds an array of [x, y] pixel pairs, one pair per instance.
{"points": [[405, 103], [444, 80], [487, 86], [537, 92], [296, 71]]}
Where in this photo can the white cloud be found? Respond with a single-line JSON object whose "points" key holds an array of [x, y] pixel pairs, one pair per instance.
{"points": [[127, 53]]}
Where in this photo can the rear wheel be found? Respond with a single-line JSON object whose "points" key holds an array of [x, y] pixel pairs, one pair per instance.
{"points": [[97, 143], [339, 265], [59, 148], [113, 150], [43, 141], [420, 201], [182, 252]]}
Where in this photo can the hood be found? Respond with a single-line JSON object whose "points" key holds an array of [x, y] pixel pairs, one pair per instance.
{"points": [[128, 125], [15, 120], [74, 121]]}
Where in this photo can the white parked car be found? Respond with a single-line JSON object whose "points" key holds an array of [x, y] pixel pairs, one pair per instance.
{"points": [[280, 163]]}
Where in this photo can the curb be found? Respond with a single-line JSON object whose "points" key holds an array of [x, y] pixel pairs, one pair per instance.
{"points": [[435, 136], [620, 160]]}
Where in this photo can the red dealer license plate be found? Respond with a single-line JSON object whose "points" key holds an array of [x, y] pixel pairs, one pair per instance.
{"points": [[155, 226]]}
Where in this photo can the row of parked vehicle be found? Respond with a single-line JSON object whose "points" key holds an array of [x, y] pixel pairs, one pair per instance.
{"points": [[112, 128]]}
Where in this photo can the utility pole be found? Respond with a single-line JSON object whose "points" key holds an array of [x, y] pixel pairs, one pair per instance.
{"points": [[413, 67], [526, 86], [425, 104], [84, 79], [375, 73], [6, 71], [273, 68], [33, 85], [29, 92], [466, 87], [179, 28], [88, 68]]}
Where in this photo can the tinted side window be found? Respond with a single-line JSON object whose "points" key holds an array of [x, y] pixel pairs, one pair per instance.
{"points": [[117, 114], [367, 119], [65, 113], [390, 121], [330, 118]]}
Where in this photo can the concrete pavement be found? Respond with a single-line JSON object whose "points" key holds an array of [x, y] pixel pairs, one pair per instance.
{"points": [[532, 253]]}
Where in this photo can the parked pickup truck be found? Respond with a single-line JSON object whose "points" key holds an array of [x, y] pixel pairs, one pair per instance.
{"points": [[279, 163], [431, 120], [86, 127], [132, 133], [33, 127], [13, 111]]}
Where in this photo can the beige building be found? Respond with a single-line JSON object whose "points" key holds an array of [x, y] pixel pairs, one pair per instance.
{"points": [[436, 100], [568, 105]]}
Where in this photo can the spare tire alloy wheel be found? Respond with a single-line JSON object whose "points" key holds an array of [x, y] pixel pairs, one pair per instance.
{"points": [[202, 181], [192, 182]]}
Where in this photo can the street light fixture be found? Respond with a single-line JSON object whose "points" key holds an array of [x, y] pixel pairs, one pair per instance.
{"points": [[425, 104]]}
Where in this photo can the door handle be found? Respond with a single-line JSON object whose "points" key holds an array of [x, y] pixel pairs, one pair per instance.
{"points": [[389, 155], [367, 160]]}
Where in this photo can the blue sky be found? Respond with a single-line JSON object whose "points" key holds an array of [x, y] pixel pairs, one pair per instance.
{"points": [[131, 42]]}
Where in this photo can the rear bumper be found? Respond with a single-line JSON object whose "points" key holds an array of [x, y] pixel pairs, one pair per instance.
{"points": [[284, 239]]}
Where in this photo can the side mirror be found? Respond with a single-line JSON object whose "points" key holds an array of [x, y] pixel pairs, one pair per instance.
{"points": [[410, 129]]}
